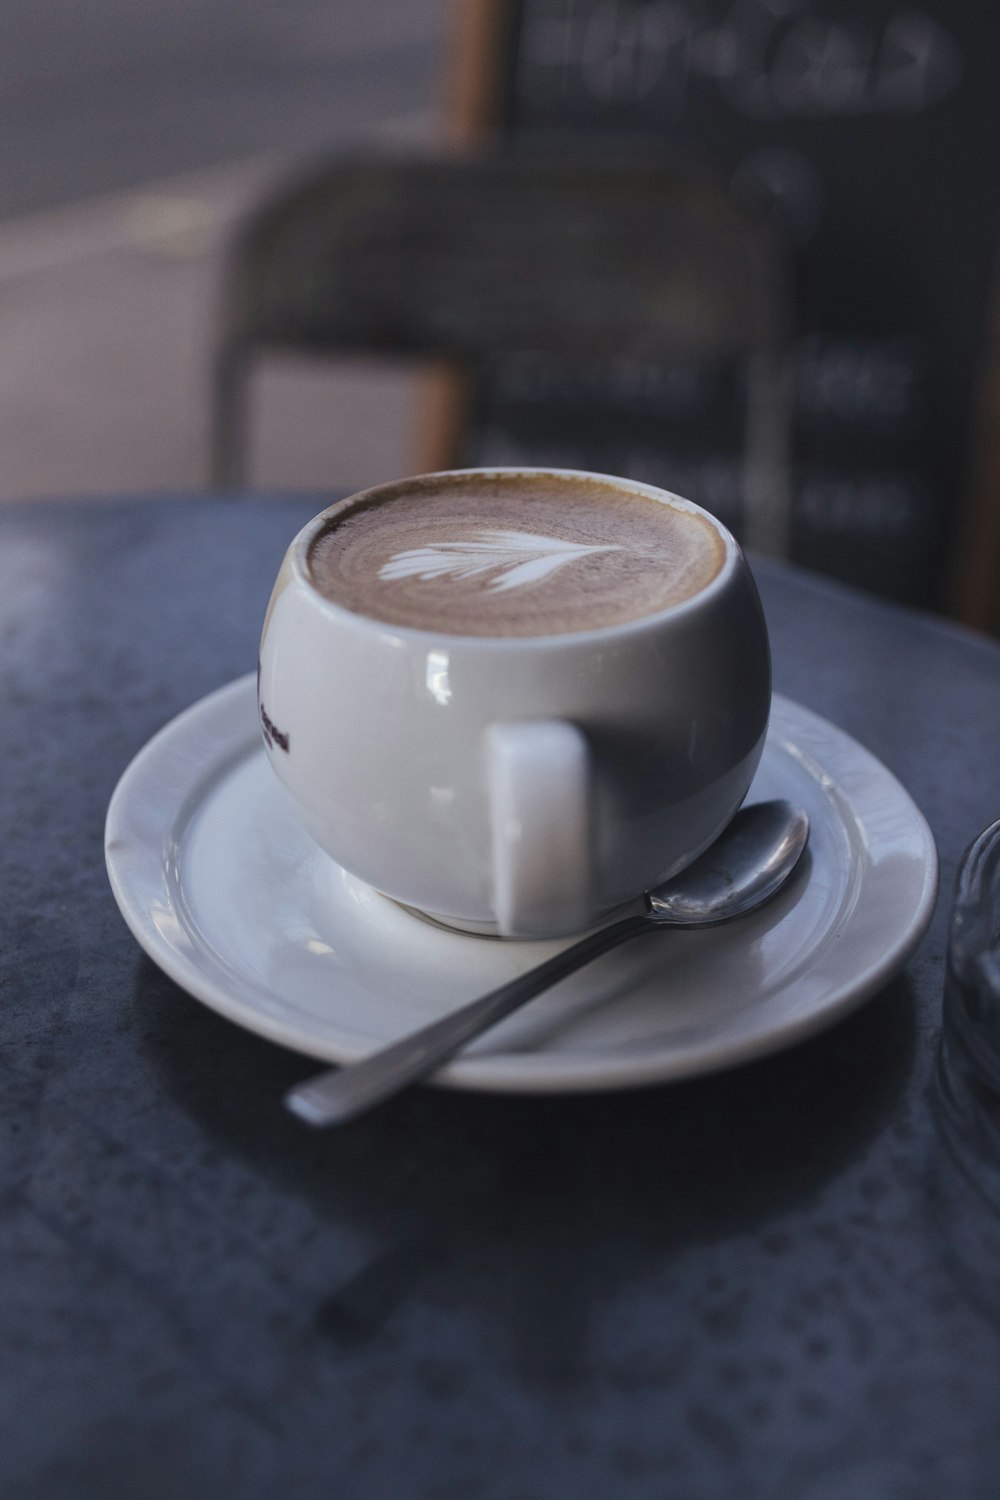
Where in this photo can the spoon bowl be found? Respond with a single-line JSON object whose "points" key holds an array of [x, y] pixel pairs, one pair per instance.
{"points": [[743, 868]]}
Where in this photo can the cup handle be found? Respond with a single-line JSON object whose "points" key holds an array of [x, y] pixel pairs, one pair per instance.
{"points": [[539, 785]]}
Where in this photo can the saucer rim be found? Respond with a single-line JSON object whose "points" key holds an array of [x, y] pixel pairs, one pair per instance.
{"points": [[138, 831]]}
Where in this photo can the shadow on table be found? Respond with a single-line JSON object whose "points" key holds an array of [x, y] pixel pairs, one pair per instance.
{"points": [[536, 1207]]}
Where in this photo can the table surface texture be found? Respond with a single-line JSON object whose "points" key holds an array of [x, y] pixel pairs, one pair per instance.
{"points": [[773, 1282]]}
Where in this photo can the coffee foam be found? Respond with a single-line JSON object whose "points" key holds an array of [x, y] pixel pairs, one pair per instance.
{"points": [[512, 554]]}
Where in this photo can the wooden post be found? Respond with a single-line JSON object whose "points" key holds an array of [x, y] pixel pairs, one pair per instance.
{"points": [[475, 67], [476, 70], [975, 582]]}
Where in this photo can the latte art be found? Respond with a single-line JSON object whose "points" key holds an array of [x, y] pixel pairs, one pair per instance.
{"points": [[511, 558], [497, 553]]}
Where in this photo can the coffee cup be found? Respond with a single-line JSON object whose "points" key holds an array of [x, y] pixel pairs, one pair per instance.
{"points": [[514, 699]]}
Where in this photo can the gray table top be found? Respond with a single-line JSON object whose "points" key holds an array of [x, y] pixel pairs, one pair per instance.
{"points": [[773, 1282]]}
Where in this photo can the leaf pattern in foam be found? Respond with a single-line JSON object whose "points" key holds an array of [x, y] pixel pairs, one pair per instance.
{"points": [[514, 558]]}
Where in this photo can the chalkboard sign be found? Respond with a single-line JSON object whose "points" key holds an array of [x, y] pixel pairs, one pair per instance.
{"points": [[869, 130]]}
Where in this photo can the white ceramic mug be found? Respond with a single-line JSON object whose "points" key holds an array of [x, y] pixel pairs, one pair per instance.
{"points": [[517, 785]]}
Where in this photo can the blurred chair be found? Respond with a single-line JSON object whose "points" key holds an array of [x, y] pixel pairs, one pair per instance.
{"points": [[459, 258]]}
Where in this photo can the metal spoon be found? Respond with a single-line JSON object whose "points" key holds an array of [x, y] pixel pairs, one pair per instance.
{"points": [[743, 868]]}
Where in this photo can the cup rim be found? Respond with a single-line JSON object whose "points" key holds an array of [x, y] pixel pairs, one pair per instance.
{"points": [[299, 549]]}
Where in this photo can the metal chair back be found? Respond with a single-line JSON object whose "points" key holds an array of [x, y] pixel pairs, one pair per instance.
{"points": [[467, 257]]}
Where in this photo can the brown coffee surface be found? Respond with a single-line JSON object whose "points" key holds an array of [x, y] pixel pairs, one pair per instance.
{"points": [[512, 555]]}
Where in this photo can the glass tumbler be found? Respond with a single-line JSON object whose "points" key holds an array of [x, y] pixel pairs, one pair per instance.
{"points": [[968, 1070]]}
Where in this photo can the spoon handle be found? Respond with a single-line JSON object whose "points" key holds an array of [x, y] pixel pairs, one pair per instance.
{"points": [[333, 1097]]}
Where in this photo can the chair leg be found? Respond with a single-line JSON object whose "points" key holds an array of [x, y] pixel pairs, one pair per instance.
{"points": [[768, 455], [228, 429]]}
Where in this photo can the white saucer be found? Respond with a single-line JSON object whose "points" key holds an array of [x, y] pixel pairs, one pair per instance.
{"points": [[225, 892]]}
